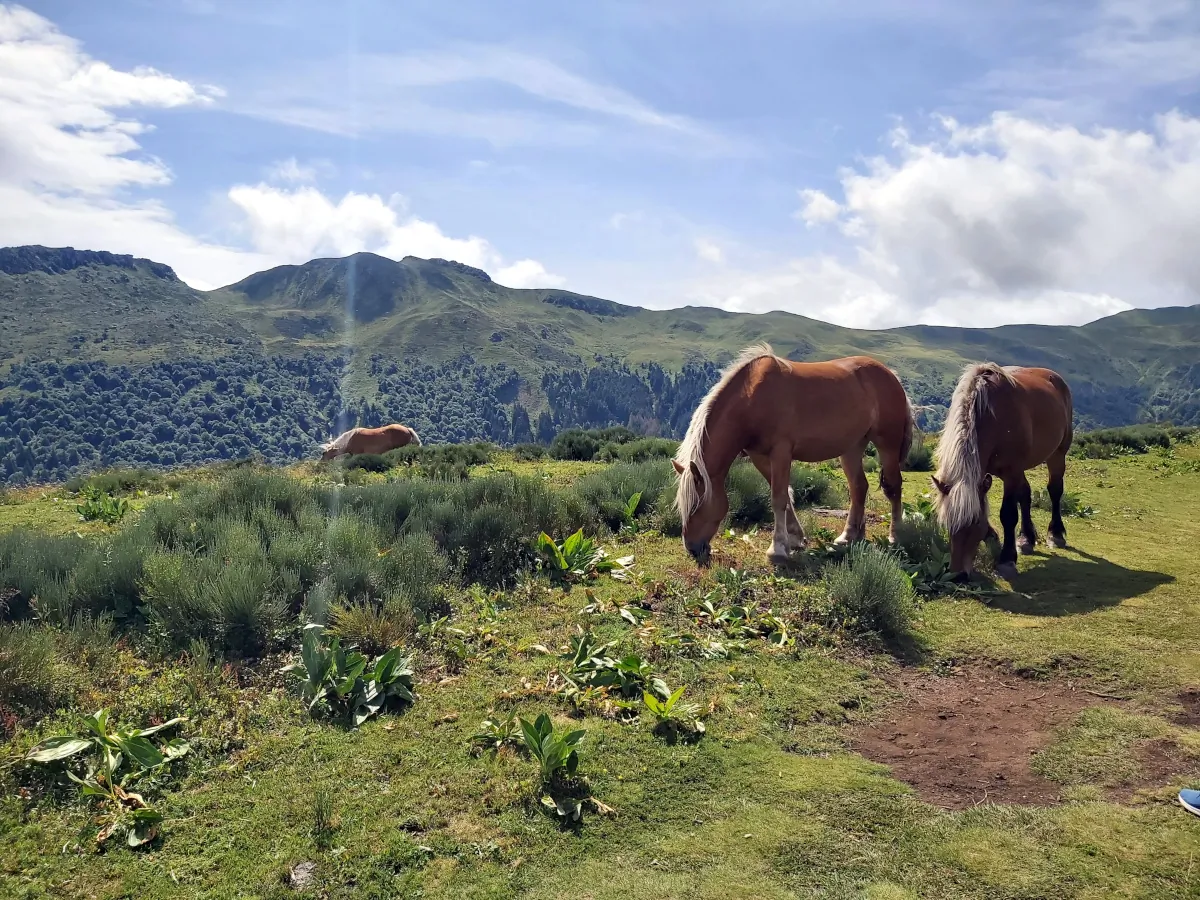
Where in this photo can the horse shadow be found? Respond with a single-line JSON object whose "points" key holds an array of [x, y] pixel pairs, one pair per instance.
{"points": [[1077, 584]]}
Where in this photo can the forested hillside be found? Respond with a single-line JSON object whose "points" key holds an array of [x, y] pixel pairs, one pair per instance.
{"points": [[108, 359]]}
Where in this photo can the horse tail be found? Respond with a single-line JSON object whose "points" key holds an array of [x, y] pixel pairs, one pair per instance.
{"points": [[416, 438], [910, 429]]}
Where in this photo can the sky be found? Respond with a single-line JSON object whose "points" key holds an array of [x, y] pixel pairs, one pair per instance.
{"points": [[874, 164]]}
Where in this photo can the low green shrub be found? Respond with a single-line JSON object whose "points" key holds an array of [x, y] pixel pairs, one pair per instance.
{"points": [[639, 450], [869, 591], [1107, 443], [119, 482], [585, 444], [814, 487], [920, 455], [605, 494]]}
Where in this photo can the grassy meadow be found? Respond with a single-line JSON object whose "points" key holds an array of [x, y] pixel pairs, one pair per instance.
{"points": [[191, 601]]}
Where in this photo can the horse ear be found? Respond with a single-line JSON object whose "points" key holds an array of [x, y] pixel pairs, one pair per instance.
{"points": [[942, 489], [987, 483], [678, 467]]}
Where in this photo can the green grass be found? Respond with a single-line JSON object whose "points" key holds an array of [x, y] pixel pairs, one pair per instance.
{"points": [[769, 803]]}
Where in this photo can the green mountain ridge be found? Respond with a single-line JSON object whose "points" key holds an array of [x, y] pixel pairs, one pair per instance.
{"points": [[82, 305]]}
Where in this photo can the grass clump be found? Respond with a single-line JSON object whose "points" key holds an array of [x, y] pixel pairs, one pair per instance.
{"points": [[869, 591]]}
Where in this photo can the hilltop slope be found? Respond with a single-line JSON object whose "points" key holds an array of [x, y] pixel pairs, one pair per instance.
{"points": [[85, 305]]}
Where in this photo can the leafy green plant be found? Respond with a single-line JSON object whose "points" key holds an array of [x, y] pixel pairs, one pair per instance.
{"points": [[117, 757], [339, 678], [629, 525], [496, 734], [98, 506], [1069, 504], [672, 715], [557, 755], [578, 558], [555, 751]]}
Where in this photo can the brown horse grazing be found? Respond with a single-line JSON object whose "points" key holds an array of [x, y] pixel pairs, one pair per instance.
{"points": [[370, 440], [778, 411], [1002, 422]]}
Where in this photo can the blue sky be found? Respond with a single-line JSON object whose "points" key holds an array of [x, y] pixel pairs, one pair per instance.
{"points": [[873, 163]]}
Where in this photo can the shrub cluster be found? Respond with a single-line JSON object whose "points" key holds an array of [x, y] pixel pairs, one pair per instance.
{"points": [[238, 562], [1107, 443]]}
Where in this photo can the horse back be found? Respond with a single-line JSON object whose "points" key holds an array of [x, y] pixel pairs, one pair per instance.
{"points": [[821, 408], [1033, 418]]}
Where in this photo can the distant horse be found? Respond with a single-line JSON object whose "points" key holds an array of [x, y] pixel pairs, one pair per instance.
{"points": [[370, 440], [1002, 422], [777, 411]]}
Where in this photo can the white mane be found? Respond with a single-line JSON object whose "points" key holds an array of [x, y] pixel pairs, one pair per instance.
{"points": [[339, 443], [689, 494], [959, 466]]}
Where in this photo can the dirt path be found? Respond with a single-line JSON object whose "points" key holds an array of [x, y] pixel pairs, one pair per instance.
{"points": [[968, 738]]}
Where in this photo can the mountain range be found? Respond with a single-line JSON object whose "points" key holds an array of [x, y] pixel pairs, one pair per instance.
{"points": [[73, 305]]}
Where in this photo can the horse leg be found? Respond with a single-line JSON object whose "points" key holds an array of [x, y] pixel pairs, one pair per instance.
{"points": [[1006, 563], [781, 502], [1028, 538], [856, 478], [795, 532], [1056, 535], [891, 482]]}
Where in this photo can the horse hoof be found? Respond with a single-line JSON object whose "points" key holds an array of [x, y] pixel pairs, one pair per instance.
{"points": [[1058, 543], [1007, 571], [1024, 547], [777, 559]]}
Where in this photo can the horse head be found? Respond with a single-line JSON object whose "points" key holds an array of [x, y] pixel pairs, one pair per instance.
{"points": [[963, 510], [701, 510]]}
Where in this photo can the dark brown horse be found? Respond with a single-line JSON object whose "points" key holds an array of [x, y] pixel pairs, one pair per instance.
{"points": [[370, 440], [778, 411], [1002, 422]]}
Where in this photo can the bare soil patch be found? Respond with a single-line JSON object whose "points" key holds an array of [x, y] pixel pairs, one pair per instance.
{"points": [[1190, 715], [968, 738]]}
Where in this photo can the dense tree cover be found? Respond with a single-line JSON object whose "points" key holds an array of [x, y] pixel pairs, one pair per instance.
{"points": [[57, 419]]}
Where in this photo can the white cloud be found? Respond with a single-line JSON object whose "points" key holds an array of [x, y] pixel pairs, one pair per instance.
{"points": [[528, 273], [69, 164], [300, 224], [1010, 220], [709, 251], [818, 207], [60, 132]]}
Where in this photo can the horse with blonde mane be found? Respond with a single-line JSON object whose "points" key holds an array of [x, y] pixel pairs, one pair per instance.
{"points": [[778, 411], [1002, 421], [370, 440]]}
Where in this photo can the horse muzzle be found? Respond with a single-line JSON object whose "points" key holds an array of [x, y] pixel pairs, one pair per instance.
{"points": [[700, 552]]}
